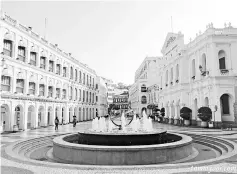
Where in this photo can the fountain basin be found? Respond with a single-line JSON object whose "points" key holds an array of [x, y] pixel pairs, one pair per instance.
{"points": [[66, 152]]}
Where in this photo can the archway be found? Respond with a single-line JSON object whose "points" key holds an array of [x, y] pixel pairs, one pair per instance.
{"points": [[40, 116], [5, 116], [30, 117], [143, 109], [96, 112], [18, 117], [226, 108], [50, 115]]}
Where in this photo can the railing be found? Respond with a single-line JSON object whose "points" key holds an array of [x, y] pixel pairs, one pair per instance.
{"points": [[34, 34], [22, 27], [9, 19], [224, 72]]}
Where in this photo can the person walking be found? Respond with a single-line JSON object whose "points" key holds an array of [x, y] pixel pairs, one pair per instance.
{"points": [[74, 121], [56, 123]]}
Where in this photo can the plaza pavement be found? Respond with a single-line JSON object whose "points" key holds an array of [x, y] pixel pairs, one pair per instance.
{"points": [[10, 166]]}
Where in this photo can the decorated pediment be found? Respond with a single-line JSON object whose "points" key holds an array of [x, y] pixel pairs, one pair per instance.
{"points": [[170, 41]]}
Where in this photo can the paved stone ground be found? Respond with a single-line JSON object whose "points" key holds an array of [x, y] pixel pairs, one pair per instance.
{"points": [[12, 166]]}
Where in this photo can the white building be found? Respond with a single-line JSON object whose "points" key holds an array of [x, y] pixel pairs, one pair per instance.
{"points": [[110, 87], [39, 81], [200, 73], [146, 75], [102, 102]]}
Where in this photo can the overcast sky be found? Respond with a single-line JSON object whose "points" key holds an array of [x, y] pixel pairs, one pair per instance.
{"points": [[113, 37]]}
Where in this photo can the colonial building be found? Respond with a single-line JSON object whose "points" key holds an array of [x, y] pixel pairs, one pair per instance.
{"points": [[121, 101], [102, 102], [146, 75], [39, 81], [200, 73]]}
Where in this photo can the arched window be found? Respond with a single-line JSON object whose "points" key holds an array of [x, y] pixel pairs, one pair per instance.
{"points": [[75, 93], [221, 56], [177, 72], [143, 88], [143, 100], [193, 69], [225, 104], [204, 66]]}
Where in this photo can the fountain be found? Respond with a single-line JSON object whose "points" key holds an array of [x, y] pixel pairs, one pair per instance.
{"points": [[132, 143]]}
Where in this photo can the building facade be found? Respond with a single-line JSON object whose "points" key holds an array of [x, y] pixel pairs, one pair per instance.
{"points": [[102, 100], [145, 76], [200, 73], [121, 101], [39, 81]]}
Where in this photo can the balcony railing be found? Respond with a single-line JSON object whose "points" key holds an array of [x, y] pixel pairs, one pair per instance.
{"points": [[224, 71]]}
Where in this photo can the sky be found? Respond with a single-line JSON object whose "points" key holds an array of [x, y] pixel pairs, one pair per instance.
{"points": [[114, 37]]}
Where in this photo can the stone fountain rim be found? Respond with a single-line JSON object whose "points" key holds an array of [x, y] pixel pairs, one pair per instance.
{"points": [[60, 141], [119, 132]]}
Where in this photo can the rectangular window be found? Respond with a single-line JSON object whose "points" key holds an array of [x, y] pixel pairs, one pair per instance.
{"points": [[42, 62], [33, 58], [50, 91], [7, 48], [51, 63], [64, 72], [19, 85], [96, 98], [58, 69], [32, 88], [64, 93], [21, 53], [83, 96], [6, 83], [41, 90], [58, 92]]}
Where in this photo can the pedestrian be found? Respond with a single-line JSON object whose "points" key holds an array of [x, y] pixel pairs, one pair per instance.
{"points": [[56, 123], [74, 121]]}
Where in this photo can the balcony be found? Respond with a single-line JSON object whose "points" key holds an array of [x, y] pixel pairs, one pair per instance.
{"points": [[224, 72]]}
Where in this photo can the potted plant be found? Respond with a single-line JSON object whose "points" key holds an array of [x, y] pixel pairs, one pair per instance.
{"points": [[185, 113], [204, 113]]}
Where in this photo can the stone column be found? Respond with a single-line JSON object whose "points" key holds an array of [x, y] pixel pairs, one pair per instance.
{"points": [[25, 117], [14, 80], [26, 91], [170, 113], [66, 115], [176, 116]]}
